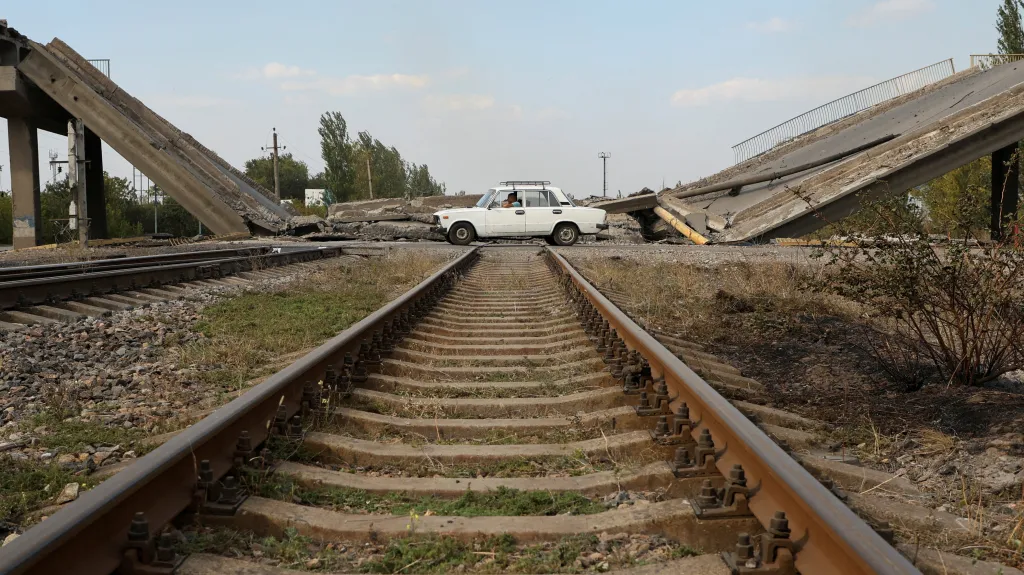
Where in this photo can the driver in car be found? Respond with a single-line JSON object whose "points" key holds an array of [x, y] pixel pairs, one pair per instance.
{"points": [[511, 201]]}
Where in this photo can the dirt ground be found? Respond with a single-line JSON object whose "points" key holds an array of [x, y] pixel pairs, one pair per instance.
{"points": [[962, 447]]}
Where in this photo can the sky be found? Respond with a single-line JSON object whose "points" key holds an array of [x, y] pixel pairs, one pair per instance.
{"points": [[484, 91]]}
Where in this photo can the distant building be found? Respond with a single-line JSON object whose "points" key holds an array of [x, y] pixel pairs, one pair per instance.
{"points": [[315, 197]]}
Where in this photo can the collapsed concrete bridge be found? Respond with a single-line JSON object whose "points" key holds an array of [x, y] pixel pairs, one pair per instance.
{"points": [[826, 174], [43, 87]]}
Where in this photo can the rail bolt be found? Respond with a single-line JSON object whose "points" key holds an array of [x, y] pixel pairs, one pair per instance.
{"points": [[138, 531], [230, 491], [205, 472], [644, 408], [708, 498], [661, 429], [682, 458], [745, 550], [295, 427], [681, 420]]}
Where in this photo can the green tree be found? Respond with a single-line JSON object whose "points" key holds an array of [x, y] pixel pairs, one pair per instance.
{"points": [[958, 201], [421, 183], [318, 181], [124, 214], [346, 176], [55, 201], [1008, 24], [336, 151], [293, 174]]}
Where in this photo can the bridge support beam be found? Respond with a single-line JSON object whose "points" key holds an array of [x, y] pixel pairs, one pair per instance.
{"points": [[94, 192], [1005, 188], [22, 140]]}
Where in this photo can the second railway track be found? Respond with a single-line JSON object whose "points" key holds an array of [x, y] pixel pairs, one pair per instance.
{"points": [[71, 291], [506, 369]]}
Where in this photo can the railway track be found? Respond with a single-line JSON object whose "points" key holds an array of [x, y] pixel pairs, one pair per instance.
{"points": [[71, 291], [504, 370]]}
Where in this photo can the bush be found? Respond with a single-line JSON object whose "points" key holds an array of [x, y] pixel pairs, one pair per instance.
{"points": [[952, 311]]}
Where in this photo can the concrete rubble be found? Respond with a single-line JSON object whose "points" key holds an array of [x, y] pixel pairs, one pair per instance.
{"points": [[398, 219]]}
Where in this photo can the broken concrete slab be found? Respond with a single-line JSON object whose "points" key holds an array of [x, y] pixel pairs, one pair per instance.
{"points": [[937, 128]]}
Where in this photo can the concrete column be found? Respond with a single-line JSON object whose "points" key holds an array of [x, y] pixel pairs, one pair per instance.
{"points": [[94, 191], [24, 146], [1005, 188]]}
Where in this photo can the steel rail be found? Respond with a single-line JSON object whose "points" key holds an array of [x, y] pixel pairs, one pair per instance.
{"points": [[53, 270], [35, 291], [88, 536], [831, 538]]}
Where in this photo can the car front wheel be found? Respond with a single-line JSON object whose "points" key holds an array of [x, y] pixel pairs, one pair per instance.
{"points": [[461, 234], [566, 234]]}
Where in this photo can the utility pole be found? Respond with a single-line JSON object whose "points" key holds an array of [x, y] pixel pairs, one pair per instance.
{"points": [[76, 178], [156, 209], [277, 181], [369, 176], [604, 160]]}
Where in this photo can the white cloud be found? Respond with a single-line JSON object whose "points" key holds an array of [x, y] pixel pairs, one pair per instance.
{"points": [[459, 102], [772, 25], [297, 79], [813, 88], [276, 71], [889, 11], [355, 84]]}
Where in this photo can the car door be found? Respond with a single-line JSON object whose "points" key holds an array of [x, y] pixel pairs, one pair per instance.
{"points": [[542, 211], [501, 221]]}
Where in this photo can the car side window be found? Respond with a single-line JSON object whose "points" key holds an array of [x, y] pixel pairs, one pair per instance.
{"points": [[537, 199]]}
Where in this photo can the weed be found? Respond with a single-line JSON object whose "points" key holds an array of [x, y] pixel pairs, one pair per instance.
{"points": [[71, 435], [27, 486], [502, 501], [244, 333], [951, 313]]}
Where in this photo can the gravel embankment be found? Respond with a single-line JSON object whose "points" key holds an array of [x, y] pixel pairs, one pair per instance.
{"points": [[110, 371]]}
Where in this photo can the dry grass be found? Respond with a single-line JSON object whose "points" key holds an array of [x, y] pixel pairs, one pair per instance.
{"points": [[687, 298]]}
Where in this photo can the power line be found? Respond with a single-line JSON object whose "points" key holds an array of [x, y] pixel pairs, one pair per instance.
{"points": [[294, 149]]}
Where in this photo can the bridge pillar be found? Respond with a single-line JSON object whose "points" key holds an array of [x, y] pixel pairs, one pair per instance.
{"points": [[22, 140], [95, 195], [1005, 188]]}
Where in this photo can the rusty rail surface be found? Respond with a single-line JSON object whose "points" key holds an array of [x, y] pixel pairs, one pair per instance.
{"points": [[91, 536], [828, 537]]}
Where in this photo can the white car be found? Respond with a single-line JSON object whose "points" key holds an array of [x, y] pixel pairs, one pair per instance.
{"points": [[537, 210]]}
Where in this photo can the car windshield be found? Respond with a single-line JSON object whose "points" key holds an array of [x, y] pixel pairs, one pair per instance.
{"points": [[485, 200]]}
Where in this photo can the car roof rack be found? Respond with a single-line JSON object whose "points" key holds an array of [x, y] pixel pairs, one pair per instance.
{"points": [[514, 183]]}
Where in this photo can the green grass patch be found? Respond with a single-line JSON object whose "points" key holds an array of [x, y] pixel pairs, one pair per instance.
{"points": [[246, 332], [430, 554], [502, 501], [71, 436], [28, 485]]}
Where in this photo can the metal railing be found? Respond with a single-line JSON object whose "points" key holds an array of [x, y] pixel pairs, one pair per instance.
{"points": [[842, 108], [103, 65], [986, 61]]}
